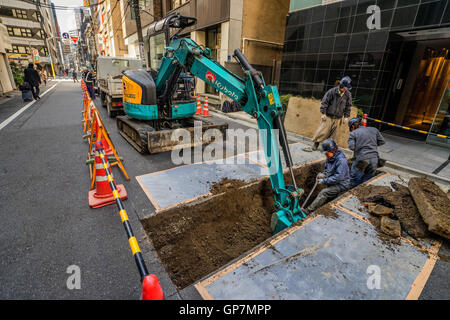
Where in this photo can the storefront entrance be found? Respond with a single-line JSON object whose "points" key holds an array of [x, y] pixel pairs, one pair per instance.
{"points": [[419, 83]]}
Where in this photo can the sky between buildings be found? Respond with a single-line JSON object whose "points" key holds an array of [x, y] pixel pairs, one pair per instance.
{"points": [[66, 18]]}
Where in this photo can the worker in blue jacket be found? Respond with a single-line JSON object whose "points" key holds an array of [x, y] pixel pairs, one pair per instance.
{"points": [[364, 141], [336, 175]]}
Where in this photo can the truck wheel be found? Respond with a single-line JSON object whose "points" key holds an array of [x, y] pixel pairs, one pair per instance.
{"points": [[103, 99], [111, 113]]}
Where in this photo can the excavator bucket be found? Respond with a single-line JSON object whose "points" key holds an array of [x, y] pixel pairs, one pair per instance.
{"points": [[280, 220]]}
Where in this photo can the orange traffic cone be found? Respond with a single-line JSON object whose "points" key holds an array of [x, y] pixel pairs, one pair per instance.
{"points": [[199, 106], [205, 108], [102, 194]]}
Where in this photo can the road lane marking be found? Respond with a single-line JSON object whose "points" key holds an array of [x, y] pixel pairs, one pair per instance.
{"points": [[25, 107]]}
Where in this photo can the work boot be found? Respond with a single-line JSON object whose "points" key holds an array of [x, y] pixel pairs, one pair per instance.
{"points": [[315, 147]]}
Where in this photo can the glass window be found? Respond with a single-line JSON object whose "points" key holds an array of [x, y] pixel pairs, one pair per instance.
{"points": [[120, 63], [157, 44], [43, 51], [177, 3], [40, 34], [18, 13]]}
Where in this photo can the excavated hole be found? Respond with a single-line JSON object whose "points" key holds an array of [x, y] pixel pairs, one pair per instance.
{"points": [[196, 239]]}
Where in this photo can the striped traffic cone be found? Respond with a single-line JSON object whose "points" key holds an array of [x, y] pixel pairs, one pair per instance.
{"points": [[199, 106], [102, 195], [364, 120], [205, 108]]}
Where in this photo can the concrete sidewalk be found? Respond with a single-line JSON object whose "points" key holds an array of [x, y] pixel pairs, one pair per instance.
{"points": [[408, 153]]}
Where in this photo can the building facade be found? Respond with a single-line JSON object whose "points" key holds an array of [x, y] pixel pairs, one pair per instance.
{"points": [[107, 18], [395, 51], [254, 26], [150, 11], [7, 82], [25, 25]]}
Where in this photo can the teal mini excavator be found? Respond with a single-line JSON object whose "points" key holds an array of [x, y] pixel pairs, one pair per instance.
{"points": [[149, 102]]}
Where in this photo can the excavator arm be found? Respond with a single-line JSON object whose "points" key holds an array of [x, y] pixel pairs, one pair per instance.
{"points": [[258, 99]]}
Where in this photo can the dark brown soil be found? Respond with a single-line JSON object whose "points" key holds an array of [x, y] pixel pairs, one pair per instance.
{"points": [[433, 205], [226, 184], [402, 203], [196, 239], [326, 211]]}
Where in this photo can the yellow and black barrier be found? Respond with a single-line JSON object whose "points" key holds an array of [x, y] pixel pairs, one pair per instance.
{"points": [[408, 128], [151, 288]]}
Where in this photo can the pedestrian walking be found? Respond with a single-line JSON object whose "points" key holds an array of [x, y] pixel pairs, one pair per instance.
{"points": [[335, 109], [336, 176], [364, 141], [43, 75], [31, 76], [74, 76]]}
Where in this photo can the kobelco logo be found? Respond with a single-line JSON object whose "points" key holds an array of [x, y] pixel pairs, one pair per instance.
{"points": [[211, 77]]}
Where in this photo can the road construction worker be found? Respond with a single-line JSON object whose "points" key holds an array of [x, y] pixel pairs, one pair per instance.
{"points": [[90, 83], [336, 175], [335, 109], [364, 142]]}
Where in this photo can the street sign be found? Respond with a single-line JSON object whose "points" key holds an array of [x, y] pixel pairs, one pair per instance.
{"points": [[65, 35], [74, 39], [86, 3]]}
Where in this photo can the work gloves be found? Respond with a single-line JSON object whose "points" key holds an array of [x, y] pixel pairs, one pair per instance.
{"points": [[320, 178], [324, 117], [345, 120]]}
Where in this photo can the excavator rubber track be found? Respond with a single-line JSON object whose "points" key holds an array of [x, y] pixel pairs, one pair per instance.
{"points": [[146, 139]]}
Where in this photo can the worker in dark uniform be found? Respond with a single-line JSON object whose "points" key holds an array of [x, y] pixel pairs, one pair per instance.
{"points": [[336, 175], [335, 109], [90, 84], [364, 141]]}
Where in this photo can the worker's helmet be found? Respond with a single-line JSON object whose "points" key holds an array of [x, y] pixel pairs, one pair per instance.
{"points": [[346, 83], [329, 145], [353, 121]]}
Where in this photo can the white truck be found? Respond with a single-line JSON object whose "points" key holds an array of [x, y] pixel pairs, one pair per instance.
{"points": [[109, 81]]}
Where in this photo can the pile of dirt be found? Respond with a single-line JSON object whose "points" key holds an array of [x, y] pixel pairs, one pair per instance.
{"points": [[433, 205], [303, 117], [226, 184], [196, 239], [402, 203]]}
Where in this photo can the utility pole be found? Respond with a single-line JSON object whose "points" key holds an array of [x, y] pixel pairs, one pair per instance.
{"points": [[137, 16]]}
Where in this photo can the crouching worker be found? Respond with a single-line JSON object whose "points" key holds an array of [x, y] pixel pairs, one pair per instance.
{"points": [[364, 142], [336, 175]]}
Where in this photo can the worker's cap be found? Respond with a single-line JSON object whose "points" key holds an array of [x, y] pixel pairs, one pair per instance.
{"points": [[353, 121], [329, 145], [346, 82]]}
